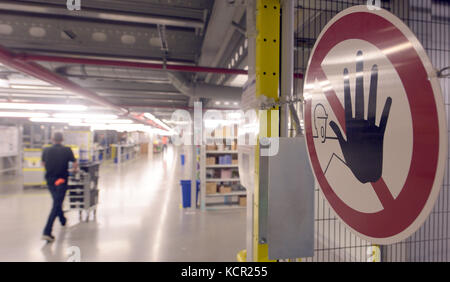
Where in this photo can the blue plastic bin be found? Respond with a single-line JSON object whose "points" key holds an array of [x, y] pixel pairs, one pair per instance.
{"points": [[227, 159], [186, 192]]}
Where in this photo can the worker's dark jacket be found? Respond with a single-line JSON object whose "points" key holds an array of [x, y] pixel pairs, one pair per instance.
{"points": [[56, 159]]}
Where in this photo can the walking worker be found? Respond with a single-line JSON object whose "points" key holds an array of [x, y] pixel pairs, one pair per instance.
{"points": [[56, 161]]}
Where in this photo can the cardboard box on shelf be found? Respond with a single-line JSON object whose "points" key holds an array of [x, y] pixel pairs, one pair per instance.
{"points": [[227, 132], [211, 148], [224, 189], [211, 188], [235, 162], [243, 201], [210, 161]]}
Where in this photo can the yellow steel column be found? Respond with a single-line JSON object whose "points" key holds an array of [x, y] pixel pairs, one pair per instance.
{"points": [[267, 84]]}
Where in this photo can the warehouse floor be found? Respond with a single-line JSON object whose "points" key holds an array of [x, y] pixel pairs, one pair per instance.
{"points": [[139, 218]]}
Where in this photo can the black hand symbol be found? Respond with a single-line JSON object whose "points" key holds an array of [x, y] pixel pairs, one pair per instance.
{"points": [[363, 149]]}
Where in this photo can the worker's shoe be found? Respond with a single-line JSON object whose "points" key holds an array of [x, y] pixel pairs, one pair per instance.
{"points": [[48, 238], [63, 222]]}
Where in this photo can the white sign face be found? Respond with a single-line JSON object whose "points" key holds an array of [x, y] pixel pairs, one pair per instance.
{"points": [[9, 138], [375, 124]]}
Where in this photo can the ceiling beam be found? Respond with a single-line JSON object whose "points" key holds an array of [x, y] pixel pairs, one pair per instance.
{"points": [[102, 15]]}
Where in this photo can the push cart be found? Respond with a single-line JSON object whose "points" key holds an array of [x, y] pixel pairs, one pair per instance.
{"points": [[83, 190]]}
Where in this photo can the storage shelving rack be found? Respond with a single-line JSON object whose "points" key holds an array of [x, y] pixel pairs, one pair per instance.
{"points": [[217, 201]]}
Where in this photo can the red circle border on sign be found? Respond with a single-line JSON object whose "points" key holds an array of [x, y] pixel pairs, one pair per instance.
{"points": [[383, 34]]}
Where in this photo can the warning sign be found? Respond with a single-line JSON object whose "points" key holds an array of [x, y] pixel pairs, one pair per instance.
{"points": [[375, 124]]}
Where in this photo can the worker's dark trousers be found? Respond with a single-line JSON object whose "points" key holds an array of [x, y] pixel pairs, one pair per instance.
{"points": [[58, 194]]}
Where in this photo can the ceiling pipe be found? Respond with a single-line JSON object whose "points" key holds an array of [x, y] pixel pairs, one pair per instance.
{"points": [[118, 63], [188, 108], [200, 90], [7, 58], [130, 64], [114, 73]]}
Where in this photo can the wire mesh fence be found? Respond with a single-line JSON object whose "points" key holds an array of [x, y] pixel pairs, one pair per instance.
{"points": [[430, 22]]}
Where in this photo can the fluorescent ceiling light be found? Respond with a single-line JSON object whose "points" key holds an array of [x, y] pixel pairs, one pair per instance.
{"points": [[149, 116], [4, 83], [86, 116], [157, 121], [108, 121], [121, 127], [54, 107], [54, 120], [34, 87], [217, 102], [23, 114], [79, 124], [177, 122]]}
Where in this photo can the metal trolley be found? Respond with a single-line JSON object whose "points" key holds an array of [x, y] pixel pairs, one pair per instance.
{"points": [[83, 190]]}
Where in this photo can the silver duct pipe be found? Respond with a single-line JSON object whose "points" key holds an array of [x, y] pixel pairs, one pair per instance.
{"points": [[114, 73], [209, 91], [181, 84]]}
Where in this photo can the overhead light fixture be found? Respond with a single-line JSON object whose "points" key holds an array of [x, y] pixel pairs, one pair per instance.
{"points": [[52, 107], [23, 114], [79, 124], [4, 83], [108, 121], [149, 116], [55, 120], [85, 116], [218, 103], [103, 123], [121, 127], [34, 87], [157, 121], [226, 103]]}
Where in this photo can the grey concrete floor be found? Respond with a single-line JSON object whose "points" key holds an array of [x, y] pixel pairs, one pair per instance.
{"points": [[139, 218]]}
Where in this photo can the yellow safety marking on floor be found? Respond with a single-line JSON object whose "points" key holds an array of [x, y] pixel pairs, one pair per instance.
{"points": [[32, 150], [33, 169]]}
